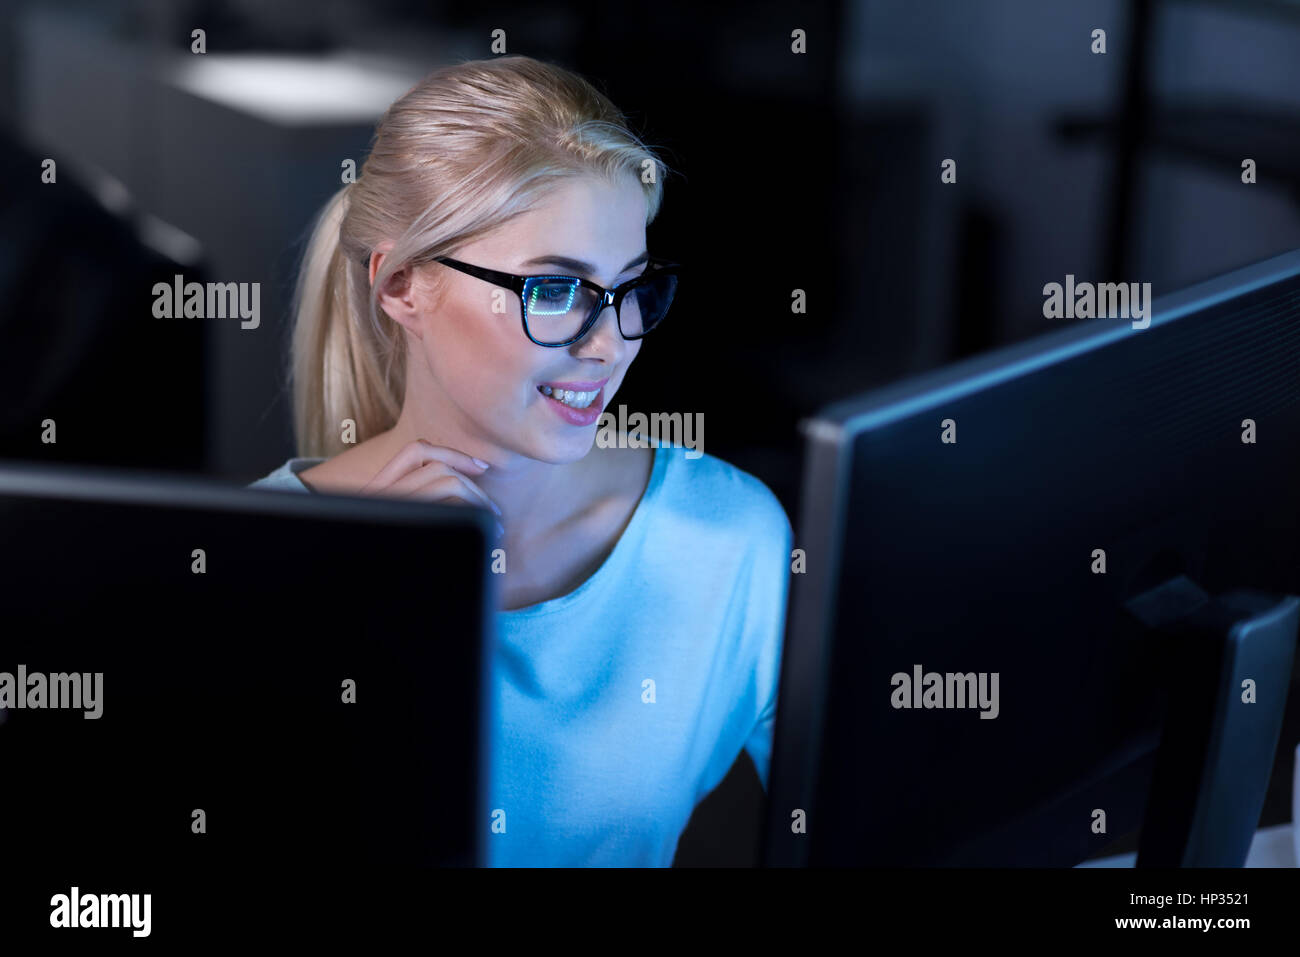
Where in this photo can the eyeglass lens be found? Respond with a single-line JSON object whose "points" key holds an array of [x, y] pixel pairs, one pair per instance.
{"points": [[555, 309]]}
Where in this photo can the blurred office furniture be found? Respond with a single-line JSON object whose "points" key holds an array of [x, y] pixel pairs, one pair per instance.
{"points": [[238, 149], [81, 349]]}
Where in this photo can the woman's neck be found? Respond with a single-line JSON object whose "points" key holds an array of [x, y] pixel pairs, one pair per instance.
{"points": [[532, 495]]}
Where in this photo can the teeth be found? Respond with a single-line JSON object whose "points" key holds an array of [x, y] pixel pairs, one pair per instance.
{"points": [[577, 400]]}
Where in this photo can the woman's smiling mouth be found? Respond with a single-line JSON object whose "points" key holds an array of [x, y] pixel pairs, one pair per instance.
{"points": [[578, 403]]}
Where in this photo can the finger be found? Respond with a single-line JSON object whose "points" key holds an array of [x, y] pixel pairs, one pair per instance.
{"points": [[417, 453], [420, 479], [420, 475], [445, 486]]}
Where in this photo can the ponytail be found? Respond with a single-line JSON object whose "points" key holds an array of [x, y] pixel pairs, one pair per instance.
{"points": [[335, 371]]}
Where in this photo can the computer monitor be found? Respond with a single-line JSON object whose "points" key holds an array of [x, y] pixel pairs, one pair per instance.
{"points": [[1030, 573], [278, 679]]}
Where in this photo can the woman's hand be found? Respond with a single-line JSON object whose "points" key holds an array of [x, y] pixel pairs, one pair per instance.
{"points": [[432, 473]]}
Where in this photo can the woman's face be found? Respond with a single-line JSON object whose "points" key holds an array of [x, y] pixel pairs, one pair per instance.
{"points": [[480, 377]]}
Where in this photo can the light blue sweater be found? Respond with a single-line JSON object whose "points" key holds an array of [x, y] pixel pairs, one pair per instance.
{"points": [[622, 704]]}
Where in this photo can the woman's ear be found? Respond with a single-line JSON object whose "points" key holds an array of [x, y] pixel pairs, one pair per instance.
{"points": [[397, 297]]}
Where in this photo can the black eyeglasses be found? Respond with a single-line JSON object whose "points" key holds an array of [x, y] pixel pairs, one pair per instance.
{"points": [[560, 310]]}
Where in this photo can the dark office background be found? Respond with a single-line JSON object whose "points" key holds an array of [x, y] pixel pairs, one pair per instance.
{"points": [[818, 172]]}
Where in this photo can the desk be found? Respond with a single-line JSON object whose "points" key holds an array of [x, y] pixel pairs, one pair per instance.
{"points": [[1271, 847]]}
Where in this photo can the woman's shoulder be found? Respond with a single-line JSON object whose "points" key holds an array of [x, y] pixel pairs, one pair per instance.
{"points": [[347, 472], [286, 477], [714, 489]]}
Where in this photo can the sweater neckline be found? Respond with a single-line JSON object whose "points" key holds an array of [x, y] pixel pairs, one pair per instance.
{"points": [[640, 516], [626, 541]]}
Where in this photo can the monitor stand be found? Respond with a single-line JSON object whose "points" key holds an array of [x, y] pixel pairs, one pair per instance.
{"points": [[1229, 662]]}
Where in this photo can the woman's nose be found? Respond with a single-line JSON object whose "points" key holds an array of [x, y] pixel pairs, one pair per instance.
{"points": [[604, 340]]}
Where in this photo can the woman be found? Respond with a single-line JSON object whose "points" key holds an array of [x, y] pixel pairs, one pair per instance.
{"points": [[643, 601]]}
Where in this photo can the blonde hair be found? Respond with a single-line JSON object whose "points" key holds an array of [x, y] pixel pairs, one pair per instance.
{"points": [[463, 152]]}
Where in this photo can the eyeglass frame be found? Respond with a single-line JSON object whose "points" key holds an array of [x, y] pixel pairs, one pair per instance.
{"points": [[608, 297]]}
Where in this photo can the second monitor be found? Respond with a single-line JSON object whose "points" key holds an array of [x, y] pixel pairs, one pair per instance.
{"points": [[1033, 571]]}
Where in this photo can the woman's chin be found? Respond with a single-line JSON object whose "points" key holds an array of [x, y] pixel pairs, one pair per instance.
{"points": [[566, 450]]}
